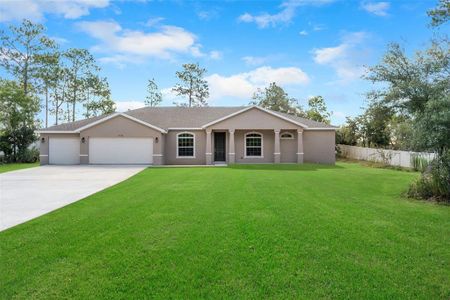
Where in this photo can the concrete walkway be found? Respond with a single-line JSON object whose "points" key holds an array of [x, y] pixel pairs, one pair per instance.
{"points": [[30, 193]]}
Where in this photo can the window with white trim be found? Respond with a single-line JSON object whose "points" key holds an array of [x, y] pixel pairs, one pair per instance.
{"points": [[286, 136], [185, 144], [253, 144]]}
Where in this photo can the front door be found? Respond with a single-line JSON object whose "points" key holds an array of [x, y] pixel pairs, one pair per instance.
{"points": [[219, 146]]}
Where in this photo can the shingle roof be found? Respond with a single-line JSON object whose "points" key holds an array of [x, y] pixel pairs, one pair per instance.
{"points": [[181, 117]]}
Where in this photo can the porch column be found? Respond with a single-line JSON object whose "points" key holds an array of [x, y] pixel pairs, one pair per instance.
{"points": [[231, 151], [208, 148], [277, 153], [299, 147]]}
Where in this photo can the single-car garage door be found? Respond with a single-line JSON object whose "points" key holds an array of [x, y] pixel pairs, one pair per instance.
{"points": [[64, 151], [120, 150]]}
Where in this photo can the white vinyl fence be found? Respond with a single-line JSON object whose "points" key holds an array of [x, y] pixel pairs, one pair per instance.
{"points": [[390, 157]]}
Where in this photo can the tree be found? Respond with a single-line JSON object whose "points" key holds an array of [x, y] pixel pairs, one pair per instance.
{"points": [[22, 51], [275, 98], [317, 110], [192, 85], [375, 125], [440, 14], [97, 98], [48, 77], [348, 134], [101, 107], [154, 96], [80, 67], [17, 125], [415, 87]]}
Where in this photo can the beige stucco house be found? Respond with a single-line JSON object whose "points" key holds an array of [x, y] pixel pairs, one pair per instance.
{"points": [[189, 136]]}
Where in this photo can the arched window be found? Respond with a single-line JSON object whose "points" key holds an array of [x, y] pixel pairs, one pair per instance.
{"points": [[287, 136], [185, 145], [253, 144]]}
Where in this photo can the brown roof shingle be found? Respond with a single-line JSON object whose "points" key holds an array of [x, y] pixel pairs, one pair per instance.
{"points": [[181, 117]]}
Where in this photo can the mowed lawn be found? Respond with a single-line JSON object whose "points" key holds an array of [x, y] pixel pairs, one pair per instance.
{"points": [[16, 166], [256, 232]]}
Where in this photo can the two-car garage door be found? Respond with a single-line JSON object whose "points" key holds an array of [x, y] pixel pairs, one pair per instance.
{"points": [[118, 150]]}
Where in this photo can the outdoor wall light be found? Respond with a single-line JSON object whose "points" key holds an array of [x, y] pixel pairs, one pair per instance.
{"points": [[43, 140], [156, 139], [83, 140]]}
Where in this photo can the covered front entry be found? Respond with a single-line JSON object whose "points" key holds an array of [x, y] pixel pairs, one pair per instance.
{"points": [[120, 150], [219, 146]]}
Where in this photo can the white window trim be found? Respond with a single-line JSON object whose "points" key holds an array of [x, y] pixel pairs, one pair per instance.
{"points": [[291, 136], [262, 145], [184, 132]]}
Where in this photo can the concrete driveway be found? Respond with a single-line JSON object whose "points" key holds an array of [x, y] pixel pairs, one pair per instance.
{"points": [[30, 193]]}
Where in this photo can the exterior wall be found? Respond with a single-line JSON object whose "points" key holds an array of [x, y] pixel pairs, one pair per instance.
{"points": [[268, 146], [44, 146], [123, 127], [171, 148], [254, 118], [288, 148], [319, 146]]}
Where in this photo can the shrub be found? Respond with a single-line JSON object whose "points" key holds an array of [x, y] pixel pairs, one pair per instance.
{"points": [[434, 183], [419, 163], [29, 155]]}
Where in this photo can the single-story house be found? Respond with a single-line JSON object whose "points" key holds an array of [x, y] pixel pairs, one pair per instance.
{"points": [[189, 136]]}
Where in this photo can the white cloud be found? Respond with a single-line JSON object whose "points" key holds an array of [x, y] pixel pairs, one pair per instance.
{"points": [[255, 60], [344, 58], [36, 9], [376, 8], [284, 16], [243, 85], [215, 55], [161, 44], [122, 106], [154, 21], [125, 45], [303, 32]]}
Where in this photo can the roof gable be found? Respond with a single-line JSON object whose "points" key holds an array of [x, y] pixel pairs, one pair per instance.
{"points": [[250, 108]]}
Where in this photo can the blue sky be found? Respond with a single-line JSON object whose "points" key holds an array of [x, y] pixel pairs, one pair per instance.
{"points": [[310, 47]]}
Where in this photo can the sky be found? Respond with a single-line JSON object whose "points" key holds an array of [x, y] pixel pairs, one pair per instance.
{"points": [[309, 47]]}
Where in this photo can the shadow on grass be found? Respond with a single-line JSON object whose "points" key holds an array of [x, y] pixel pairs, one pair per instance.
{"points": [[284, 167]]}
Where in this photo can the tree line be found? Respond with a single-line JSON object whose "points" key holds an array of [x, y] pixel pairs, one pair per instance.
{"points": [[412, 110], [63, 83]]}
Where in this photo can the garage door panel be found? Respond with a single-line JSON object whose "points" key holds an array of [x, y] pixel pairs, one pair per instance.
{"points": [[64, 151], [120, 150]]}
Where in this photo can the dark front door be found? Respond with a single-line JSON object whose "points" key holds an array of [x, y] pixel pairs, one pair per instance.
{"points": [[219, 146]]}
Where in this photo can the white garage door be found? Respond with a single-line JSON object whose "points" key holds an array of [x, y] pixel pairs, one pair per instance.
{"points": [[64, 151], [120, 150]]}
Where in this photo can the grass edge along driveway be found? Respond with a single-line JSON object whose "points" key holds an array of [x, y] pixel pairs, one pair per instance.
{"points": [[16, 166], [256, 231]]}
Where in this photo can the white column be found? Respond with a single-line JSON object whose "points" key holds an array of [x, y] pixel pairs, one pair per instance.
{"points": [[208, 148], [231, 149], [277, 153], [299, 147]]}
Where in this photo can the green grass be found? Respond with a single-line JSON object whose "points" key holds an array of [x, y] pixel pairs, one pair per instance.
{"points": [[259, 231], [16, 166]]}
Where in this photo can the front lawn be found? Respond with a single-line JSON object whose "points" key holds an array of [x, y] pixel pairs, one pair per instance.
{"points": [[16, 166], [256, 232]]}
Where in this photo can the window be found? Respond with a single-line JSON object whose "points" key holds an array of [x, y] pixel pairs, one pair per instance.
{"points": [[253, 145], [287, 136], [185, 145]]}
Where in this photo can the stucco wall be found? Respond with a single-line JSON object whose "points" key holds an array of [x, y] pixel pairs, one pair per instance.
{"points": [[254, 118], [123, 127], [171, 148], [319, 146], [44, 146], [268, 146]]}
